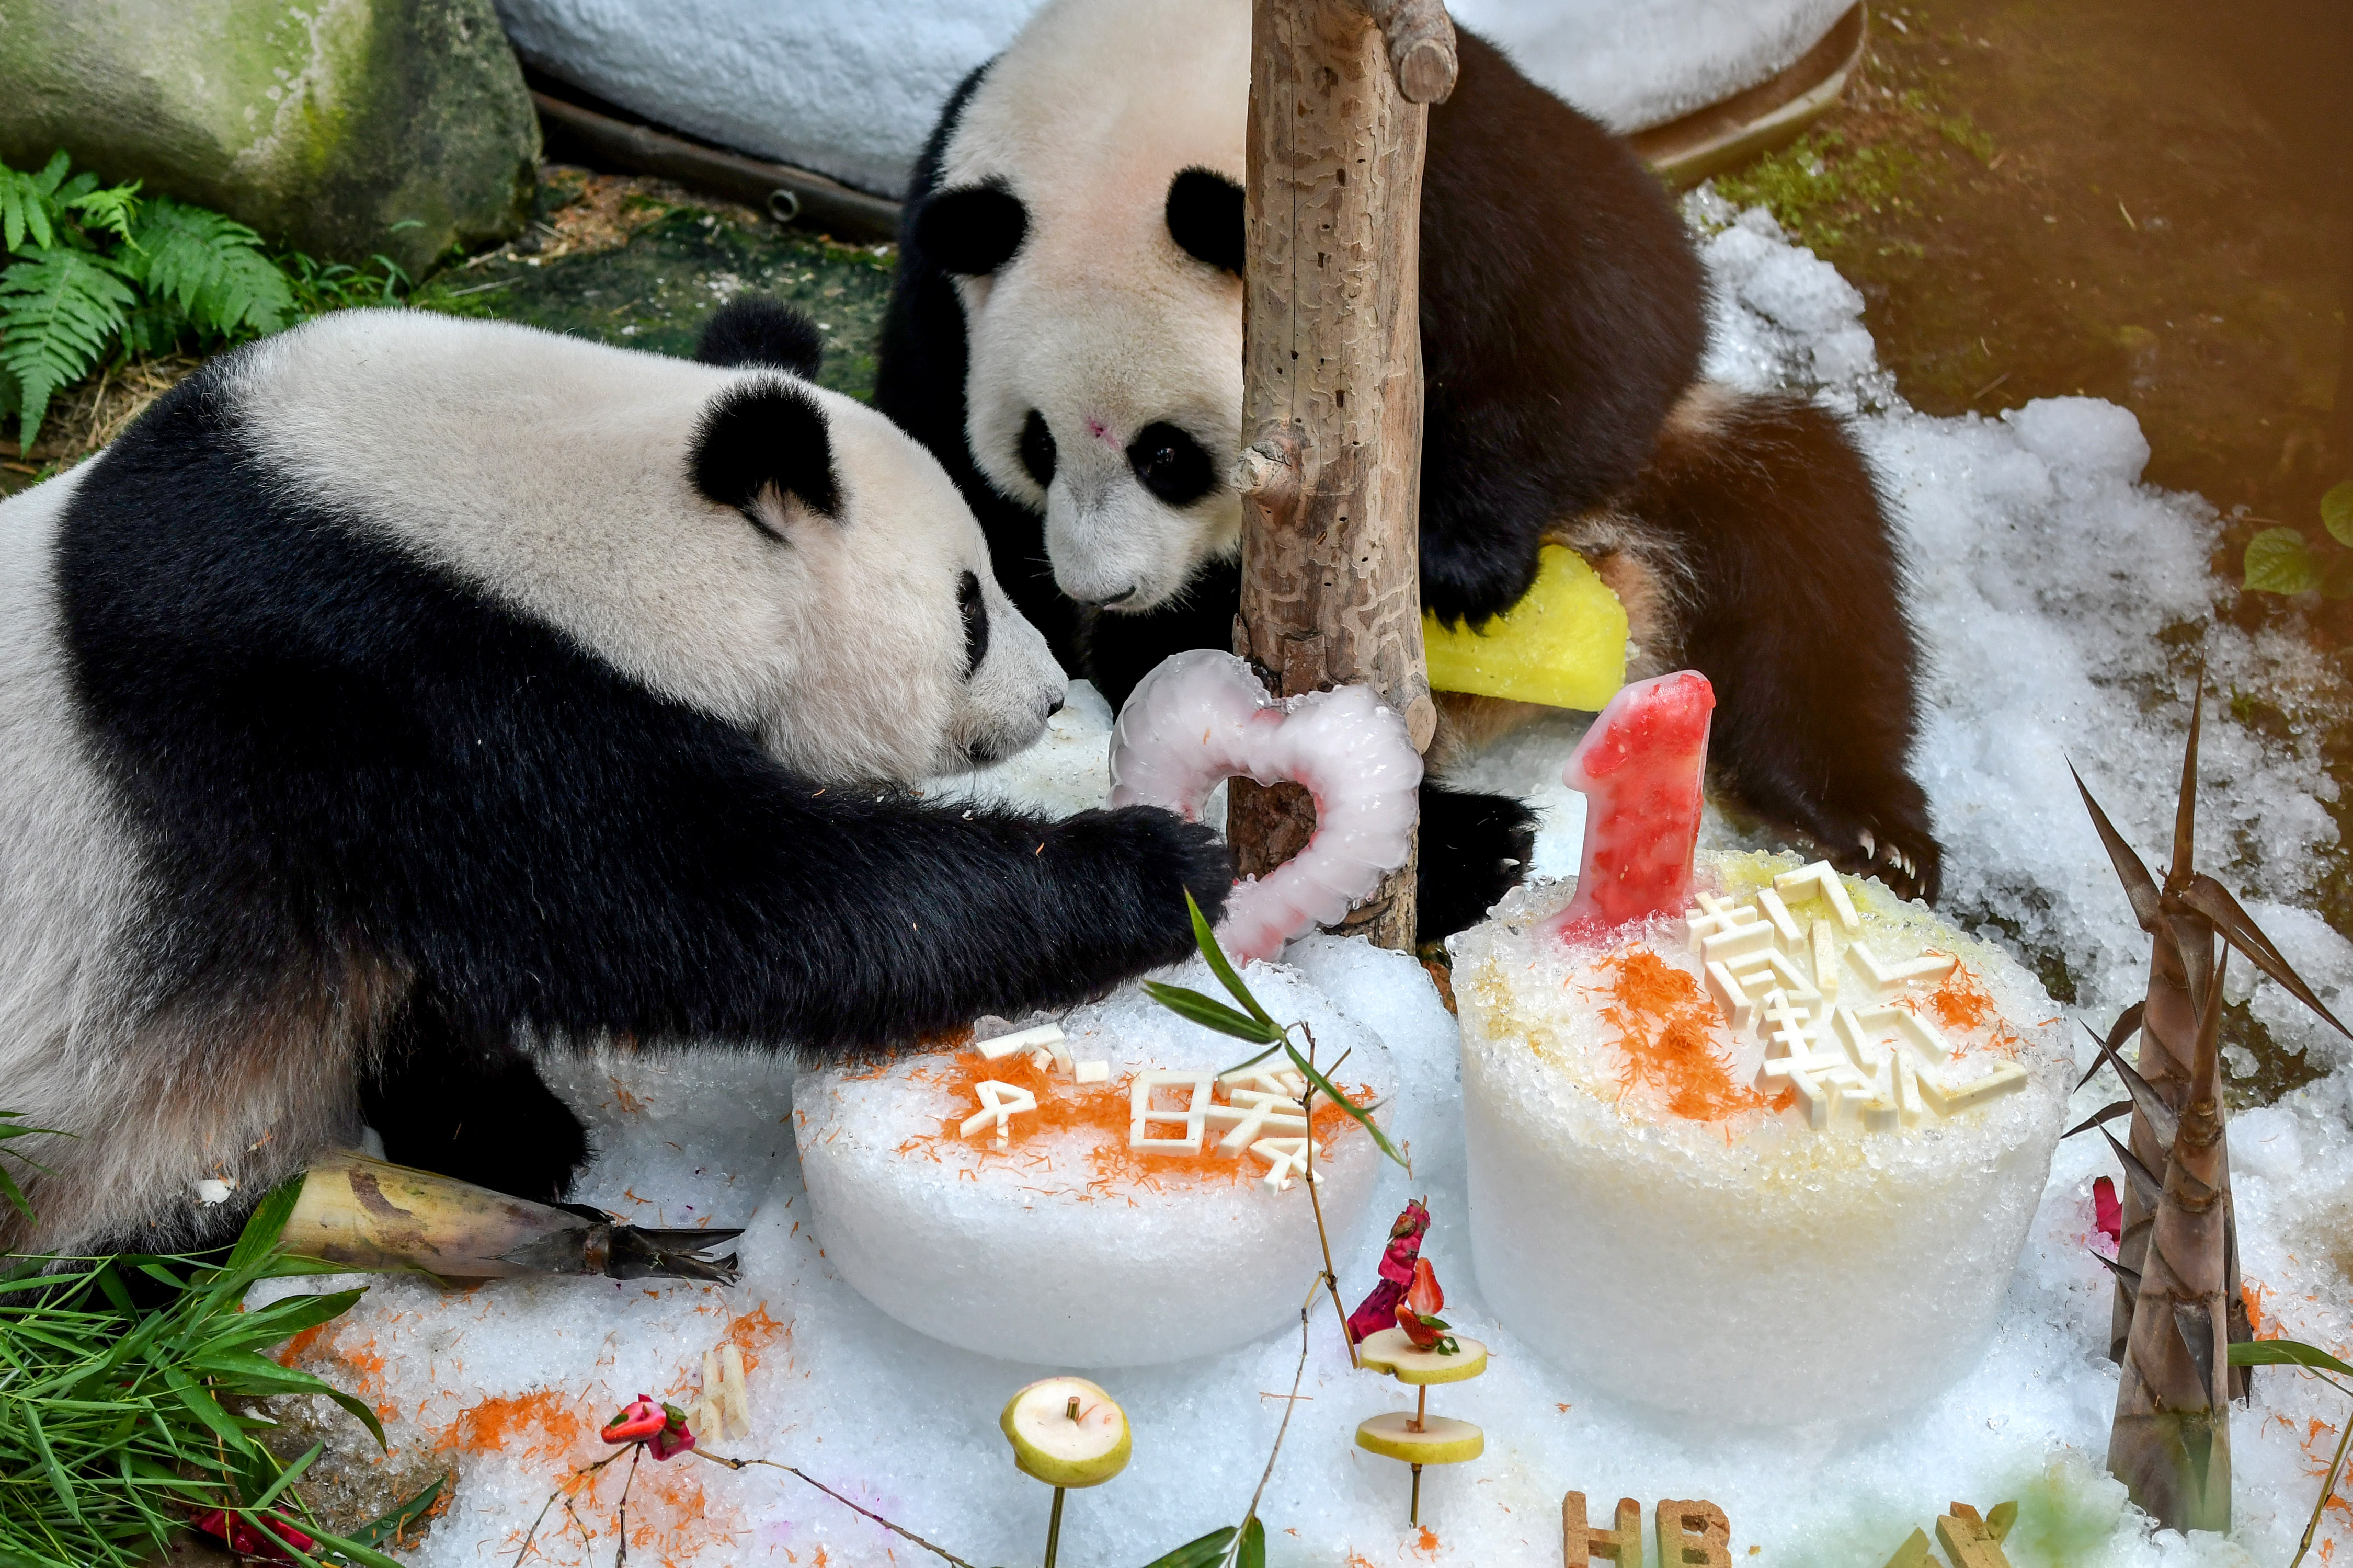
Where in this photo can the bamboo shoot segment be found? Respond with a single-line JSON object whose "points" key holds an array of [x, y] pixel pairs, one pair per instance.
{"points": [[1440, 1439], [1202, 717], [367, 1214]]}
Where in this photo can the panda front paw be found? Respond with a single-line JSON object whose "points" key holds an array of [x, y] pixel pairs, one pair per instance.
{"points": [[1475, 850], [1164, 857]]}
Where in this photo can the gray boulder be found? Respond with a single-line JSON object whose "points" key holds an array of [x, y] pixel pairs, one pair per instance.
{"points": [[324, 125]]}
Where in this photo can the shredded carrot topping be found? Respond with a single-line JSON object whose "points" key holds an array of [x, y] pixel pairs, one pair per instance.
{"points": [[1667, 1028], [1100, 1114]]}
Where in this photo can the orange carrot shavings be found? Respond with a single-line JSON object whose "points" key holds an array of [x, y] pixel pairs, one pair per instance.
{"points": [[1667, 1028]]}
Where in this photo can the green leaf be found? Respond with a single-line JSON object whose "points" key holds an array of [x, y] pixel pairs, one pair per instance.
{"points": [[212, 268], [1199, 1553], [2336, 513], [2278, 562], [59, 311], [259, 1237], [1253, 1551], [110, 211], [1363, 1116], [1196, 1008], [1207, 941], [58, 1480], [376, 1531], [289, 1476], [2285, 1352]]}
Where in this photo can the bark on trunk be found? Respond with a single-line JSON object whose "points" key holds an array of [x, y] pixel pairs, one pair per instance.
{"points": [[1332, 356]]}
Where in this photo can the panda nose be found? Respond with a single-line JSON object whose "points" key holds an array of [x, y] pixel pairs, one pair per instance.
{"points": [[1054, 707]]}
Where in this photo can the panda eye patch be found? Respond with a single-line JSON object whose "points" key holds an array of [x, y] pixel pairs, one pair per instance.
{"points": [[1171, 464], [976, 623], [1036, 449]]}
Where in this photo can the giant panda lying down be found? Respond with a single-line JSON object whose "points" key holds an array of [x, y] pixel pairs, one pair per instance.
{"points": [[1066, 333], [399, 683]]}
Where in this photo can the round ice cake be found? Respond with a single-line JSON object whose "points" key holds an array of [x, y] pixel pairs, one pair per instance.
{"points": [[1770, 1162], [1096, 1191]]}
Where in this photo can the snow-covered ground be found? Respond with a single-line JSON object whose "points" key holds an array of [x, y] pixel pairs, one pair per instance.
{"points": [[2046, 576]]}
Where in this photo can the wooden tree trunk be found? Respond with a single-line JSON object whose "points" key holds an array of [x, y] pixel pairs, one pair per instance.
{"points": [[1331, 357]]}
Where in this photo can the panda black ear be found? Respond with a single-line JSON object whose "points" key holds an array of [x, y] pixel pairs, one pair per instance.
{"points": [[972, 230], [754, 330], [764, 432], [1205, 218]]}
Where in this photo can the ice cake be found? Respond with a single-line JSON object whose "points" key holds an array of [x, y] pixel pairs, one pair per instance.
{"points": [[1093, 1191], [1768, 1160]]}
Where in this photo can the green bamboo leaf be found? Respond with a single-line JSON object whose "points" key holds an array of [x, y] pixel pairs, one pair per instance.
{"points": [[1363, 1116], [1253, 1551], [288, 1476], [259, 1237], [378, 1531], [1199, 1553], [2285, 1352], [1207, 941], [2336, 513], [59, 1481], [2279, 561], [364, 1551], [1196, 1008], [201, 1404]]}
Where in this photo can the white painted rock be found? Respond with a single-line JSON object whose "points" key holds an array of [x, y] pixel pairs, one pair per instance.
{"points": [[853, 90]]}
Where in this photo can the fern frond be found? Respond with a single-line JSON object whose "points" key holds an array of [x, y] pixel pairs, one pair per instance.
{"points": [[58, 311], [110, 211], [24, 209], [212, 266]]}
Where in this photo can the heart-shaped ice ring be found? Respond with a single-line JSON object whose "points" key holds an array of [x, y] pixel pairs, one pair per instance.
{"points": [[1202, 717]]}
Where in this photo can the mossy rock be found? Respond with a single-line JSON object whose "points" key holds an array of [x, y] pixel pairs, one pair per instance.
{"points": [[343, 128], [656, 291]]}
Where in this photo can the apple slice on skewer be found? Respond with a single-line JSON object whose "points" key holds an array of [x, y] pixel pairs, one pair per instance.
{"points": [[1067, 1432]]}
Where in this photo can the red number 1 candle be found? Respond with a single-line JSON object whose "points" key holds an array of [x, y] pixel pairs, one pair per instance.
{"points": [[1640, 769]]}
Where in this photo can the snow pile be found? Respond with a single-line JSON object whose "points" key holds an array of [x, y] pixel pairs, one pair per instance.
{"points": [[2058, 601]]}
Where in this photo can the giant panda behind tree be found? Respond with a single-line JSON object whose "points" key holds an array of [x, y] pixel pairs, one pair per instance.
{"points": [[1066, 334], [399, 685]]}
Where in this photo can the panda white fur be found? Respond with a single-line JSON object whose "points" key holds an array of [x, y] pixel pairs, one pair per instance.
{"points": [[1066, 334], [398, 684]]}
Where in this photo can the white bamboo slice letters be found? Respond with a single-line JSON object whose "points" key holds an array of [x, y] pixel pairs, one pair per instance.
{"points": [[1818, 878], [1142, 1117]]}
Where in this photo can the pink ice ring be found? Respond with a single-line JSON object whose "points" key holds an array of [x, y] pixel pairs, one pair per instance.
{"points": [[1202, 717]]}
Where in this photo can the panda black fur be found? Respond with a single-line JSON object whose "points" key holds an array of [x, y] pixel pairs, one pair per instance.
{"points": [[1086, 184], [400, 687]]}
